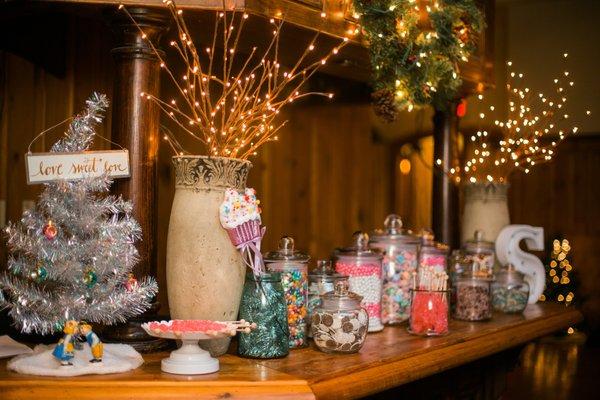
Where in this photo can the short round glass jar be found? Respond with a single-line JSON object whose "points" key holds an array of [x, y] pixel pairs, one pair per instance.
{"points": [[481, 252], [510, 292], [339, 324], [263, 303], [429, 312], [320, 281], [473, 295], [432, 254], [399, 248], [293, 267], [363, 268]]}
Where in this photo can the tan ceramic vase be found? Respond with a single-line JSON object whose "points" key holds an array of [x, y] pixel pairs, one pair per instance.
{"points": [[205, 272], [485, 209]]}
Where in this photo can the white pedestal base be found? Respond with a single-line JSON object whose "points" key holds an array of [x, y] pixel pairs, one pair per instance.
{"points": [[189, 359]]}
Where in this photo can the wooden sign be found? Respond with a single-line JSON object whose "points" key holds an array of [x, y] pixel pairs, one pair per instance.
{"points": [[50, 167]]}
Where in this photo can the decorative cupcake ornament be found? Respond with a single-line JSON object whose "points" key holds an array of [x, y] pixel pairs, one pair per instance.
{"points": [[240, 216]]}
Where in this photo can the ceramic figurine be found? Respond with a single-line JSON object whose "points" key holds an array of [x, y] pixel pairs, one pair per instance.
{"points": [[64, 348], [92, 339]]}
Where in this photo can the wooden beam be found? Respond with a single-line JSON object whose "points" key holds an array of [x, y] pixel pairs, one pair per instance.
{"points": [[444, 205]]}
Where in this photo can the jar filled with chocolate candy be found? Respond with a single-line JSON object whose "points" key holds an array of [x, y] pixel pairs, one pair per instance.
{"points": [[473, 295], [293, 267], [510, 292], [339, 324], [363, 267], [399, 248]]}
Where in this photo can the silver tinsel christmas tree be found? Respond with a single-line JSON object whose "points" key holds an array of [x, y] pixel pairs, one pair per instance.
{"points": [[71, 257]]}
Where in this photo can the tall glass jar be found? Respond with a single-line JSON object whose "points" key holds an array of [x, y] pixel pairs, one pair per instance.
{"points": [[510, 292], [400, 256], [457, 264], [320, 281], [363, 267], [473, 295], [293, 267], [264, 304], [481, 252], [339, 323], [432, 253]]}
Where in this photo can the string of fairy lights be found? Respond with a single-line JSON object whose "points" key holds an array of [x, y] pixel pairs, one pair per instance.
{"points": [[558, 272], [535, 125], [232, 111]]}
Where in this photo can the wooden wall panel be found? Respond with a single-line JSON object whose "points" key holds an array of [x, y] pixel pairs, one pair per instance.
{"points": [[564, 198]]}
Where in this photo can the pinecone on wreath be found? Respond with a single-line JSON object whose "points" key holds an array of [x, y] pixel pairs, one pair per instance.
{"points": [[384, 103]]}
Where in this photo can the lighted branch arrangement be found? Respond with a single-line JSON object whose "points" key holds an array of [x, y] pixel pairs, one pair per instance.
{"points": [[230, 102], [536, 124], [416, 47]]}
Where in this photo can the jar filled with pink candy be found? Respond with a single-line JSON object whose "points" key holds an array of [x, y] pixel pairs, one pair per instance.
{"points": [[432, 253], [363, 268], [399, 248]]}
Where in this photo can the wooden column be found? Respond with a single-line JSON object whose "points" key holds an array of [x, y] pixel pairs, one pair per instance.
{"points": [[445, 193], [135, 126]]}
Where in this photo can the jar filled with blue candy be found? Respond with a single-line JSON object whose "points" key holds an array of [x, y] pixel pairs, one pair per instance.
{"points": [[293, 267], [263, 303], [399, 248]]}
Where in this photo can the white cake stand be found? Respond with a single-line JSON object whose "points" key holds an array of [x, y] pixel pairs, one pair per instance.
{"points": [[191, 359]]}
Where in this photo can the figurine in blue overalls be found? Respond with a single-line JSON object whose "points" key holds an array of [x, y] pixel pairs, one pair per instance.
{"points": [[64, 348], [92, 339]]}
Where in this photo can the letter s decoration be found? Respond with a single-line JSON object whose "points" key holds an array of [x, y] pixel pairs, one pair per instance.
{"points": [[509, 252]]}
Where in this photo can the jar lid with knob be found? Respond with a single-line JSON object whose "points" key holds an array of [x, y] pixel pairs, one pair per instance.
{"points": [[286, 252], [510, 276], [341, 298], [430, 246], [359, 248], [478, 244], [394, 231]]}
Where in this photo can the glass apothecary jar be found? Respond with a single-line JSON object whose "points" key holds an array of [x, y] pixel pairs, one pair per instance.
{"points": [[429, 312], [339, 324], [263, 303], [363, 268], [432, 253], [481, 252], [320, 281], [458, 263], [399, 248], [510, 292], [293, 267], [473, 295]]}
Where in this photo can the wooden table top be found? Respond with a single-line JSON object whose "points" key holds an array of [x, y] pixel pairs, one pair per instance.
{"points": [[388, 359]]}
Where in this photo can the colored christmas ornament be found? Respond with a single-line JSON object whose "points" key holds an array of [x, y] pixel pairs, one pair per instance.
{"points": [[50, 231], [131, 283], [90, 278], [40, 273]]}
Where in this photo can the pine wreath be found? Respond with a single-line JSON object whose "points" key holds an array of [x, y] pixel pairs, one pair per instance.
{"points": [[415, 48]]}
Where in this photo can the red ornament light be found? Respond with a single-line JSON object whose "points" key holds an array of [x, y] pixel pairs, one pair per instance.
{"points": [[50, 231], [461, 108], [131, 283]]}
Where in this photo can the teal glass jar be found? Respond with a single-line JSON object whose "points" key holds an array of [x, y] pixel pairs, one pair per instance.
{"points": [[263, 303]]}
